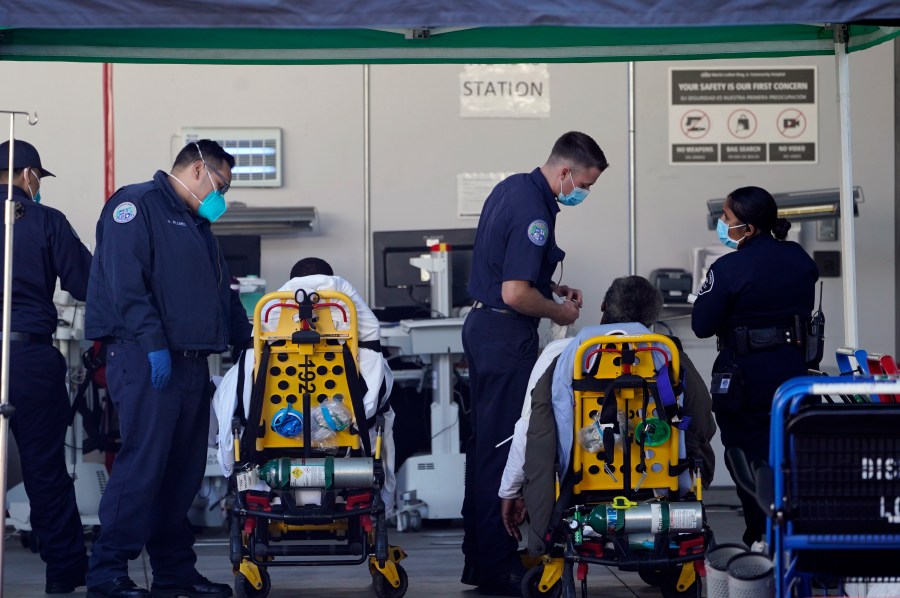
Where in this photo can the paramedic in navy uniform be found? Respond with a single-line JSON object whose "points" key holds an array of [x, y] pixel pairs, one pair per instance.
{"points": [[514, 258], [756, 292], [160, 294], [45, 247]]}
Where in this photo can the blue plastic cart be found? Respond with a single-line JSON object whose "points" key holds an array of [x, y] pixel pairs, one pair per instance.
{"points": [[834, 483]]}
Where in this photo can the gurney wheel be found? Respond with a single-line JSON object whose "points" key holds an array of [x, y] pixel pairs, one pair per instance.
{"points": [[384, 589], [531, 582], [244, 589], [652, 578], [415, 521]]}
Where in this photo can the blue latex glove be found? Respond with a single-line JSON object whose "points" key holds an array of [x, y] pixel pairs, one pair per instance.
{"points": [[160, 368]]}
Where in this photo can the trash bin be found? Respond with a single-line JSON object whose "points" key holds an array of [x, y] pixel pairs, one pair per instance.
{"points": [[717, 568], [751, 575]]}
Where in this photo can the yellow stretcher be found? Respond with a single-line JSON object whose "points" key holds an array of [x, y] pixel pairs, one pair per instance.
{"points": [[308, 494], [621, 506]]}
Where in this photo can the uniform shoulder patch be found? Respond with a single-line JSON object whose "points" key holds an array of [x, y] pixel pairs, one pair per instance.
{"points": [[708, 283], [124, 212], [538, 232]]}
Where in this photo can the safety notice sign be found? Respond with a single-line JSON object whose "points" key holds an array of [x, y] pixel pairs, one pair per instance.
{"points": [[760, 115]]}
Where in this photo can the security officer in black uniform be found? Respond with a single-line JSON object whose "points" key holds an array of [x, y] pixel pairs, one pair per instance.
{"points": [[758, 302], [45, 247], [160, 295], [514, 258]]}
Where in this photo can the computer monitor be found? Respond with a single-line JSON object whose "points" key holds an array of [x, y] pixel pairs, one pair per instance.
{"points": [[242, 254], [399, 291]]}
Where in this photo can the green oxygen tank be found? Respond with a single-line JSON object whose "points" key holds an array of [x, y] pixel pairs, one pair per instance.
{"points": [[654, 518], [286, 472], [318, 473]]}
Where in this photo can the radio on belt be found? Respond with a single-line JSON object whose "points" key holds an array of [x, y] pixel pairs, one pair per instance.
{"points": [[673, 283]]}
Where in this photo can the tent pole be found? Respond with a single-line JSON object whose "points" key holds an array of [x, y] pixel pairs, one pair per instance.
{"points": [[367, 186], [6, 410], [848, 244], [632, 178]]}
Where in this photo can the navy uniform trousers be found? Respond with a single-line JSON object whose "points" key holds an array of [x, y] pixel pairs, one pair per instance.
{"points": [[37, 389], [158, 470], [500, 351]]}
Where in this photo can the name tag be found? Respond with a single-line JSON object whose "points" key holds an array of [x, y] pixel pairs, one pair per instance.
{"points": [[720, 384]]}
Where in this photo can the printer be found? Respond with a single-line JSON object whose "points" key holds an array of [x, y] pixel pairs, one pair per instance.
{"points": [[673, 283]]}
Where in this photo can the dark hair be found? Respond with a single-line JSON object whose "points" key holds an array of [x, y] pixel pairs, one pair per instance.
{"points": [[756, 206], [580, 149], [210, 150], [311, 265], [631, 299]]}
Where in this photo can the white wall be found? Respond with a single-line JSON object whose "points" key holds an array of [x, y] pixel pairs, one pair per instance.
{"points": [[419, 144]]}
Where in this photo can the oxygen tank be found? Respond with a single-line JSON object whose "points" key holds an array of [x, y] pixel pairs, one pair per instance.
{"points": [[654, 518], [326, 472]]}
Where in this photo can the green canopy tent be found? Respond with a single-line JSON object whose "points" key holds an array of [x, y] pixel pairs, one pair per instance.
{"points": [[416, 45], [469, 31]]}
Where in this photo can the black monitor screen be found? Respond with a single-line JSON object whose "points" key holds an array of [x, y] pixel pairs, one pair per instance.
{"points": [[399, 289], [241, 253]]}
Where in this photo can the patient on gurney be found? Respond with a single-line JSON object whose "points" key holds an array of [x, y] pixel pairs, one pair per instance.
{"points": [[543, 437], [314, 274]]}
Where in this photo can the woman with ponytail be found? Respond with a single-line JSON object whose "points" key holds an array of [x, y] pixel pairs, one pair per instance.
{"points": [[757, 301]]}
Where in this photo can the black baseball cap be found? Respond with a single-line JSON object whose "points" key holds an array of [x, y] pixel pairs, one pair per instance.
{"points": [[25, 155]]}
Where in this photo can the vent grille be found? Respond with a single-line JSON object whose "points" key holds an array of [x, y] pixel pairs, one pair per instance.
{"points": [[426, 466], [101, 481], [257, 153]]}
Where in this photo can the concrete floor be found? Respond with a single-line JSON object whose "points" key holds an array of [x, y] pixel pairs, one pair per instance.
{"points": [[434, 564]]}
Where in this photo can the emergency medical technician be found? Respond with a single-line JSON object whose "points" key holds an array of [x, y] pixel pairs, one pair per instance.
{"points": [[514, 258], [45, 247], [757, 301], [160, 295]]}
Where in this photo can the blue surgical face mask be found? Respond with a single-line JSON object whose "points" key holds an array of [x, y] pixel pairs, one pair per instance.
{"points": [[212, 206], [722, 230], [575, 197], [35, 196]]}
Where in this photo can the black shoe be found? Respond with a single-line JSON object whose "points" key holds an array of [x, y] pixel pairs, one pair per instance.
{"points": [[120, 587], [471, 576], [507, 584], [65, 585], [202, 588]]}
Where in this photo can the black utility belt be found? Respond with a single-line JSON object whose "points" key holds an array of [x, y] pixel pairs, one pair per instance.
{"points": [[30, 338], [509, 313], [743, 340], [189, 353]]}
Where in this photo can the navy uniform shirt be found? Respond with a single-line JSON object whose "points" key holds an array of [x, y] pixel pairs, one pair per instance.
{"points": [[515, 238], [158, 275], [45, 247], [765, 283]]}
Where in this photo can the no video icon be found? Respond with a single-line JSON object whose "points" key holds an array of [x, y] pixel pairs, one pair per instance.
{"points": [[791, 123]]}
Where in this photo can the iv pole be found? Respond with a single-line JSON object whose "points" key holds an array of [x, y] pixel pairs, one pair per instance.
{"points": [[6, 410]]}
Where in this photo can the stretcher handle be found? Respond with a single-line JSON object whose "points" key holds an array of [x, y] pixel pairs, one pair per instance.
{"points": [[295, 306], [589, 356]]}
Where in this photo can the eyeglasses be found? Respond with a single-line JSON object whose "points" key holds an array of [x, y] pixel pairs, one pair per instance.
{"points": [[226, 185]]}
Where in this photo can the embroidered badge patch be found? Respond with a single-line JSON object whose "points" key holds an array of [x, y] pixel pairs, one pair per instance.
{"points": [[124, 212], [708, 283], [538, 232]]}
